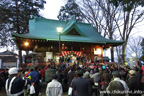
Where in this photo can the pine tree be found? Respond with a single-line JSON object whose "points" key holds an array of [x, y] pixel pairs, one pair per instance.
{"points": [[20, 13], [69, 10], [14, 17]]}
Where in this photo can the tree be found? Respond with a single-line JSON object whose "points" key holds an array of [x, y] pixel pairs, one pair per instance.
{"points": [[134, 46], [70, 9], [142, 45], [14, 18], [131, 16], [114, 16], [5, 33], [15, 15], [101, 13]]}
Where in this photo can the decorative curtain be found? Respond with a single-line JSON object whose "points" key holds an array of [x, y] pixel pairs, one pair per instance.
{"points": [[65, 53]]}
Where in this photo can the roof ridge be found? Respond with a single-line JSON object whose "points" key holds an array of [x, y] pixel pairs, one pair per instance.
{"points": [[46, 19]]}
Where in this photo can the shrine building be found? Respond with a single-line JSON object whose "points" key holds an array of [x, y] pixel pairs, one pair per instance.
{"points": [[76, 38]]}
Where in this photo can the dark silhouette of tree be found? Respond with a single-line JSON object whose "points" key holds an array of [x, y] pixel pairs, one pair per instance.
{"points": [[71, 9], [15, 16]]}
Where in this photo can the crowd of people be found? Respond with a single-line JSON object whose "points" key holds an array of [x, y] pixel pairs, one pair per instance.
{"points": [[77, 80]]}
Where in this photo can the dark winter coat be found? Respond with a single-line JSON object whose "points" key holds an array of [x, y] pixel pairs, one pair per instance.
{"points": [[134, 84]]}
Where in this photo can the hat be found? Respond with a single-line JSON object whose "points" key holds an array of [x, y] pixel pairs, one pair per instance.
{"points": [[132, 72], [116, 74], [13, 70]]}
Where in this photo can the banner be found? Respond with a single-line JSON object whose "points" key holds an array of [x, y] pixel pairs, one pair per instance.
{"points": [[65, 53]]}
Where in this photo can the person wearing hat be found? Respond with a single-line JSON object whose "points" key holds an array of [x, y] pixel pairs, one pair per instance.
{"points": [[134, 84], [14, 84], [119, 85], [54, 88]]}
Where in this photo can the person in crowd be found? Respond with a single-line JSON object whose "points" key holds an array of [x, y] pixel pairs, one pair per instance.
{"points": [[116, 76], [54, 88], [68, 59], [116, 88], [106, 78], [61, 60], [65, 80], [14, 84], [138, 73], [84, 59], [35, 79], [73, 91], [71, 75], [74, 59], [96, 77], [42, 72], [0, 81], [126, 69], [3, 77], [119, 85], [82, 86], [60, 76], [53, 65], [142, 69], [6, 73], [78, 60], [87, 76], [134, 84], [31, 70], [122, 73]]}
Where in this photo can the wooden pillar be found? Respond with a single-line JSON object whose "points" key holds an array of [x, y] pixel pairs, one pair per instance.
{"points": [[53, 52], [91, 54], [112, 54], [20, 58], [27, 52], [102, 54]]}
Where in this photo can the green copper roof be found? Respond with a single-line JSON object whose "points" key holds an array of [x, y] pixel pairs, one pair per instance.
{"points": [[41, 28]]}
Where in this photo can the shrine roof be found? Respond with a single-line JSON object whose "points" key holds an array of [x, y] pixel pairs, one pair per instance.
{"points": [[42, 28]]}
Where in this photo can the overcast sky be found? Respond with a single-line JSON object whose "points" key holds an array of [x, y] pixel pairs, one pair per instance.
{"points": [[52, 8]]}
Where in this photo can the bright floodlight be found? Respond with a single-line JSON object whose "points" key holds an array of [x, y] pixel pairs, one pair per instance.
{"points": [[59, 29], [134, 54], [26, 43]]}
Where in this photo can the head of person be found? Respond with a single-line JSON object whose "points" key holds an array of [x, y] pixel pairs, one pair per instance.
{"points": [[116, 86], [54, 76], [116, 74], [13, 71], [80, 73], [86, 75], [32, 69], [131, 73], [136, 69], [72, 68], [36, 68]]}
